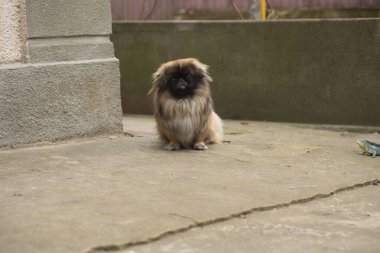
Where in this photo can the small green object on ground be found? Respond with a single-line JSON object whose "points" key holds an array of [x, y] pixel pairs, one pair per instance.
{"points": [[369, 148]]}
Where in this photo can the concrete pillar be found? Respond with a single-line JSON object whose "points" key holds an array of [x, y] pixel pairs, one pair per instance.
{"points": [[59, 78], [254, 9], [12, 31]]}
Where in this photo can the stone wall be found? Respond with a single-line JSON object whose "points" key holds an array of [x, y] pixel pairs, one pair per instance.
{"points": [[321, 71], [65, 82]]}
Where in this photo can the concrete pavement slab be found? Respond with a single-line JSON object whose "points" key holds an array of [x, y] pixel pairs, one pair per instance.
{"points": [[109, 192], [347, 222]]}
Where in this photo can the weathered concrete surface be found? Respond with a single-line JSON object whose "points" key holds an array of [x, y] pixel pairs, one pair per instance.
{"points": [[69, 85], [45, 102], [109, 191], [47, 18], [321, 71], [69, 30], [12, 31], [70, 49], [346, 222]]}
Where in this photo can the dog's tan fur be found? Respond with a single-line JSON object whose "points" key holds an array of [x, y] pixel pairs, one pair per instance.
{"points": [[189, 122]]}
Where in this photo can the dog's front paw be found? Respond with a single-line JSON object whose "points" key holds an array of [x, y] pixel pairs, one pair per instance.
{"points": [[172, 146], [200, 146]]}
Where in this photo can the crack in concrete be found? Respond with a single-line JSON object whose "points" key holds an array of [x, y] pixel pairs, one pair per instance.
{"points": [[185, 217], [114, 248]]}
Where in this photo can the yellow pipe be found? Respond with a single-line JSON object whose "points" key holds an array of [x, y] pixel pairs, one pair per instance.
{"points": [[263, 9]]}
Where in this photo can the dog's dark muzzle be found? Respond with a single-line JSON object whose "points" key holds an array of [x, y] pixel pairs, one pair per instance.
{"points": [[181, 84]]}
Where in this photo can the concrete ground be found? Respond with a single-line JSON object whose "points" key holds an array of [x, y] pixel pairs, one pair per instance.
{"points": [[270, 187]]}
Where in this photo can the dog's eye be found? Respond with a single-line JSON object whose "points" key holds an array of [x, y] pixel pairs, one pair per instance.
{"points": [[174, 79], [189, 77]]}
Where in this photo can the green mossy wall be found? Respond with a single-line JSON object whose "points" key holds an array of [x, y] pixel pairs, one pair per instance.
{"points": [[321, 71]]}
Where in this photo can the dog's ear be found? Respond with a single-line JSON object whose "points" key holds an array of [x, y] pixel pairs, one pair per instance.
{"points": [[206, 74], [159, 81], [203, 70]]}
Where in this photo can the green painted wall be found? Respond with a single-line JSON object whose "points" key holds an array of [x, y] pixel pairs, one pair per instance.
{"points": [[322, 71]]}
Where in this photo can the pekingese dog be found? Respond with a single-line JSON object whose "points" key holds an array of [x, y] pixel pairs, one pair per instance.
{"points": [[183, 107]]}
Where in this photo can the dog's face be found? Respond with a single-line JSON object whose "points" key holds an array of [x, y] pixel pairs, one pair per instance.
{"points": [[182, 82], [181, 77]]}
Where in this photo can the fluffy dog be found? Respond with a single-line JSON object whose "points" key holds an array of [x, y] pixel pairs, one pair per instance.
{"points": [[183, 106]]}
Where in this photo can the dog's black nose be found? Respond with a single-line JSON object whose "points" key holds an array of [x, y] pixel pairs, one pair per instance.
{"points": [[181, 84]]}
